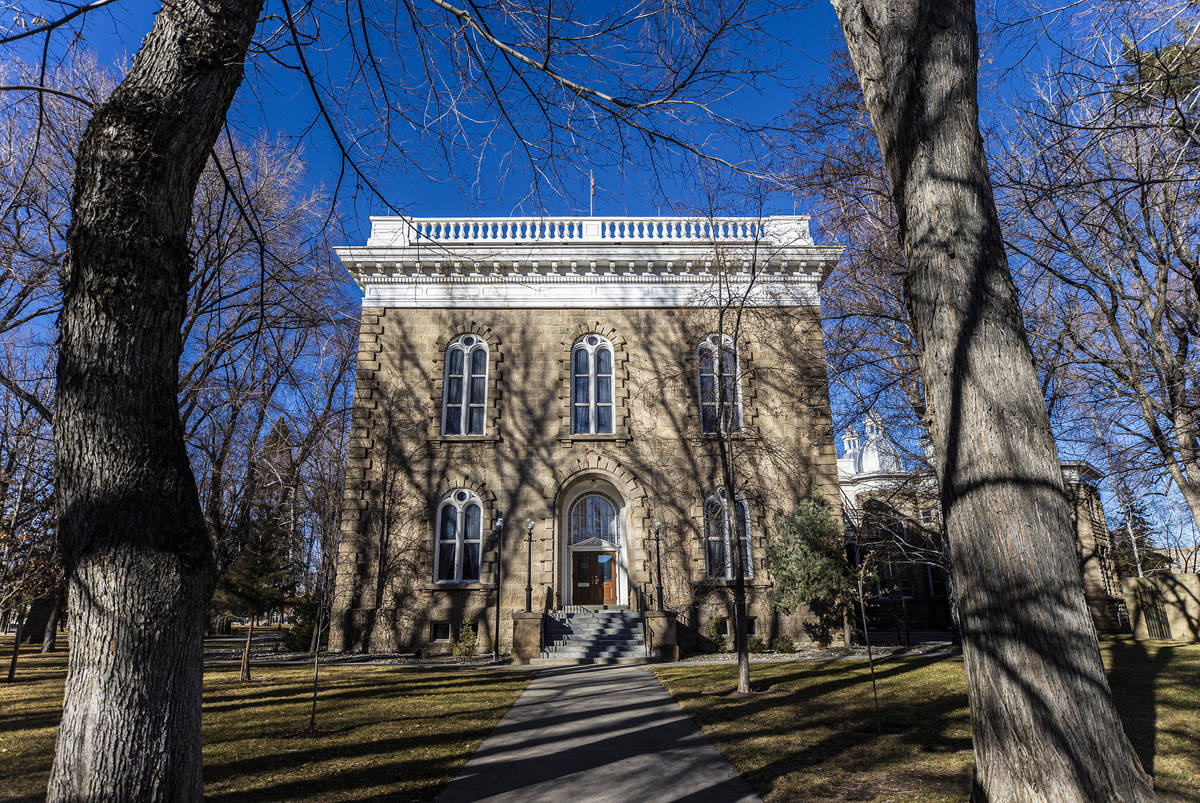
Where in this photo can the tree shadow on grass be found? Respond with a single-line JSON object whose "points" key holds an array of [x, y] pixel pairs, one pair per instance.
{"points": [[1133, 676]]}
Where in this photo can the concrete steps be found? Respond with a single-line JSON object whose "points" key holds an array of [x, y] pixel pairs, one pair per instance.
{"points": [[594, 636]]}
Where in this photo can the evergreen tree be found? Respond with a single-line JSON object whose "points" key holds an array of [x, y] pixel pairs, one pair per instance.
{"points": [[259, 581], [807, 560]]}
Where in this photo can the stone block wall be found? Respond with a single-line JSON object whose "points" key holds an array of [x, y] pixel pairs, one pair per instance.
{"points": [[527, 463]]}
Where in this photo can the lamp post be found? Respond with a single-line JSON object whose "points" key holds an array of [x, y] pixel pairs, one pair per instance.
{"points": [[529, 566], [499, 575], [658, 560]]}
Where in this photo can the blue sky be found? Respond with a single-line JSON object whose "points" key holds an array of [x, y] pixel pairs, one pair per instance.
{"points": [[275, 102]]}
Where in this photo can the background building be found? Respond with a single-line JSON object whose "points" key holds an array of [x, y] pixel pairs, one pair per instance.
{"points": [[563, 375], [897, 512]]}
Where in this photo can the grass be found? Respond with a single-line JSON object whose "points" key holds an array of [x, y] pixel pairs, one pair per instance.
{"points": [[384, 732], [810, 732]]}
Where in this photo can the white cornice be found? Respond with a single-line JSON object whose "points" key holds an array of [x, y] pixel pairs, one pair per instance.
{"points": [[528, 263]]}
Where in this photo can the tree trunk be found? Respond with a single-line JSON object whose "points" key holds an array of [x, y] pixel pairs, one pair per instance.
{"points": [[1043, 720], [245, 677], [37, 617], [50, 639], [139, 561], [16, 650]]}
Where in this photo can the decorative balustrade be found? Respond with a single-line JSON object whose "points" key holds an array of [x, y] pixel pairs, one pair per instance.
{"points": [[399, 231]]}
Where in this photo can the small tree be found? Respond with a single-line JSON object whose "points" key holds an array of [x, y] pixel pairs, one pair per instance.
{"points": [[257, 582], [807, 560], [467, 642]]}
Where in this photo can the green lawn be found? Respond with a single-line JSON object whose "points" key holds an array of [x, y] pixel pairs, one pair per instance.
{"points": [[384, 732], [810, 733]]}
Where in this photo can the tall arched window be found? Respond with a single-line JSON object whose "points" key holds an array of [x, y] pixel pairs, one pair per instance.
{"points": [[464, 403], [459, 538], [593, 516], [592, 386], [718, 538], [720, 385]]}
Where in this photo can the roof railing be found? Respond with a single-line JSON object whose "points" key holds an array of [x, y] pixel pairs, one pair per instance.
{"points": [[400, 231]]}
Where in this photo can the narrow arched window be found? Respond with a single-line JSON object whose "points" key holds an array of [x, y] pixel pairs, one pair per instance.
{"points": [[719, 538], [592, 386], [720, 385], [459, 538], [464, 403]]}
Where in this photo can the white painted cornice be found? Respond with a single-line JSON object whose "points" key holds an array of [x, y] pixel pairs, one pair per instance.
{"points": [[587, 262]]}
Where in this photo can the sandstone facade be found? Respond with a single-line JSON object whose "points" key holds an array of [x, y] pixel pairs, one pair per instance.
{"points": [[526, 464]]}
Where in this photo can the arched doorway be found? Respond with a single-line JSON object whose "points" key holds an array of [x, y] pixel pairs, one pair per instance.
{"points": [[594, 530]]}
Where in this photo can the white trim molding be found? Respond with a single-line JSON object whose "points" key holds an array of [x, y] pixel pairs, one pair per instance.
{"points": [[587, 262]]}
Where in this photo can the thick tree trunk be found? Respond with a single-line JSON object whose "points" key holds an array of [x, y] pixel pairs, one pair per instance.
{"points": [[37, 618], [1043, 720], [139, 561], [50, 637]]}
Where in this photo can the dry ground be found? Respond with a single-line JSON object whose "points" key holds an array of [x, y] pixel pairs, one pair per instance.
{"points": [[810, 734], [402, 733], [384, 732]]}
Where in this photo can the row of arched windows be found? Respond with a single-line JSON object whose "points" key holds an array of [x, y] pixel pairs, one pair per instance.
{"points": [[592, 518], [465, 387]]}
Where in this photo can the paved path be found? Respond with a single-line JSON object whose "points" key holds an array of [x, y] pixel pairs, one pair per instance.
{"points": [[597, 733]]}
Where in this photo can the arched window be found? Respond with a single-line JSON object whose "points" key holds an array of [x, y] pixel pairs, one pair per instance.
{"points": [[718, 538], [592, 386], [459, 538], [464, 404], [720, 385], [593, 516]]}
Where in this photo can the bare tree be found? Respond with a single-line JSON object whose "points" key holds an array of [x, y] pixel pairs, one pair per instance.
{"points": [[1043, 721], [1100, 177]]}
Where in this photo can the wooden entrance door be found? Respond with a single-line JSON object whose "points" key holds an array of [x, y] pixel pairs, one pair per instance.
{"points": [[595, 578]]}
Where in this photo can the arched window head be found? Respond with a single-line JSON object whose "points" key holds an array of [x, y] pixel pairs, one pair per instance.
{"points": [[594, 518], [464, 400], [592, 386], [720, 385], [459, 538], [719, 538]]}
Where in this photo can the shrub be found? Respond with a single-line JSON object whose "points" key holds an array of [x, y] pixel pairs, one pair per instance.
{"points": [[755, 644], [717, 631], [783, 643], [304, 616], [466, 644]]}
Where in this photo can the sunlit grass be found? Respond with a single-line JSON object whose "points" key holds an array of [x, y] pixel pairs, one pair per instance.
{"points": [[810, 734], [382, 731]]}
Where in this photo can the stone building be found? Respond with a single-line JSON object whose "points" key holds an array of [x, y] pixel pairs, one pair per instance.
{"points": [[573, 380], [878, 493]]}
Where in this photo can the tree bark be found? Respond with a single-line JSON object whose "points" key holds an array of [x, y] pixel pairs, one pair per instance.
{"points": [[16, 649], [138, 558], [36, 619], [50, 637], [1044, 724], [245, 676]]}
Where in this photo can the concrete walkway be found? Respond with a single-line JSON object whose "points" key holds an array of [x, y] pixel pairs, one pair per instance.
{"points": [[597, 733]]}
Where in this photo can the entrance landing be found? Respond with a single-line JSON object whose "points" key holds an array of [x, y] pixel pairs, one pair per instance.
{"points": [[607, 733]]}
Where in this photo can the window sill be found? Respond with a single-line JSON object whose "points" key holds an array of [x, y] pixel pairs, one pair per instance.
{"points": [[464, 438], [472, 586], [619, 437], [720, 582], [733, 436]]}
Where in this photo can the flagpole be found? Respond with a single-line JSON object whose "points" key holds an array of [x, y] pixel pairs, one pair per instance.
{"points": [[591, 193]]}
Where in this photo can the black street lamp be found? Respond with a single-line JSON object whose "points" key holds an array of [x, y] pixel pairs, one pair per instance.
{"points": [[658, 560], [499, 575], [529, 566]]}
